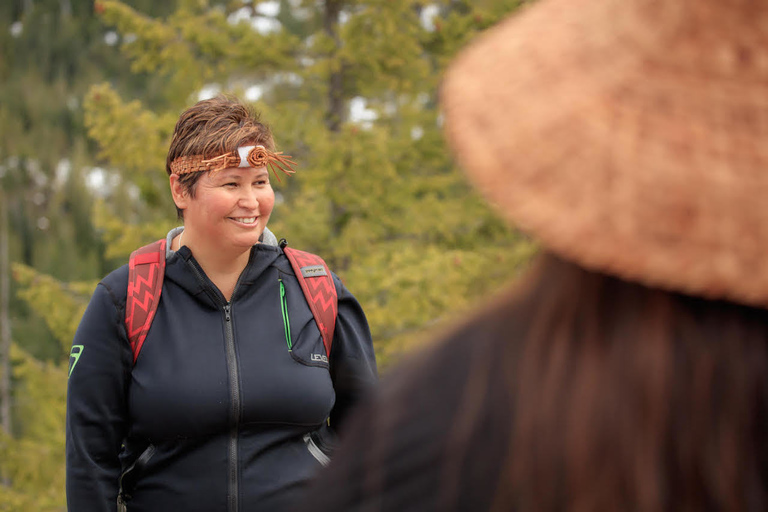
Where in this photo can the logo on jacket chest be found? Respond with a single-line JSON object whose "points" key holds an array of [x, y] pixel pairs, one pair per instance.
{"points": [[320, 357]]}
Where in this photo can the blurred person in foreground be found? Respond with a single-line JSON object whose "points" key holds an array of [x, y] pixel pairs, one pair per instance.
{"points": [[629, 368], [229, 400]]}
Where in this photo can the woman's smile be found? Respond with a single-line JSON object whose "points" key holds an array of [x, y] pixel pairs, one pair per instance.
{"points": [[246, 221]]}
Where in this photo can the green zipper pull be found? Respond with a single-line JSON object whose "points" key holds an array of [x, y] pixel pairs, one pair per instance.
{"points": [[286, 321]]}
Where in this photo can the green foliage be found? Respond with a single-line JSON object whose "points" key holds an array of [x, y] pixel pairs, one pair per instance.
{"points": [[194, 45], [410, 290], [60, 305], [34, 459], [121, 238], [390, 31], [126, 133]]}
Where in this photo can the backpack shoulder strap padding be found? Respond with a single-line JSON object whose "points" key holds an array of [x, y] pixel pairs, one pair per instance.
{"points": [[319, 289], [146, 269]]}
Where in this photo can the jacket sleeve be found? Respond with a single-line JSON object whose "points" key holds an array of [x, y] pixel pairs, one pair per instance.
{"points": [[96, 423], [352, 361]]}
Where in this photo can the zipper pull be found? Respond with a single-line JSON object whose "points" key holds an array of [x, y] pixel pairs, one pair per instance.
{"points": [[227, 316]]}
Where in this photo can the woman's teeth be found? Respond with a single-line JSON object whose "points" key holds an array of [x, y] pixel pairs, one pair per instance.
{"points": [[245, 220]]}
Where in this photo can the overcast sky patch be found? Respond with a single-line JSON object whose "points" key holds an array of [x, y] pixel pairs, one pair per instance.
{"points": [[268, 8], [17, 28], [208, 91], [360, 113], [428, 15], [111, 38], [254, 93]]}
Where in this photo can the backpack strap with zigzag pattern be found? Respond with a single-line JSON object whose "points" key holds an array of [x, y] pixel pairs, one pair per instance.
{"points": [[146, 270], [320, 291]]}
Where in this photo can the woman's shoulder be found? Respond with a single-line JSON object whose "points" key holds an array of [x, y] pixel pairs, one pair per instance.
{"points": [[116, 284]]}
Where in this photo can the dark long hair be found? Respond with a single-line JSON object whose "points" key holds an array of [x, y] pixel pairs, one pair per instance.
{"points": [[627, 397]]}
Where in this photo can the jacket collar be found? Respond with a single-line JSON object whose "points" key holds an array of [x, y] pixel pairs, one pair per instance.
{"points": [[182, 269]]}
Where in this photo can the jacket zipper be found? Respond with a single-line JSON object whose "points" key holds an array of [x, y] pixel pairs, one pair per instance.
{"points": [[234, 381], [234, 385]]}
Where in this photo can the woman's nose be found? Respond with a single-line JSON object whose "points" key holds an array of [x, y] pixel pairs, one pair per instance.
{"points": [[249, 197]]}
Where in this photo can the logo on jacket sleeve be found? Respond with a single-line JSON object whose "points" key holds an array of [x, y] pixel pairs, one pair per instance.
{"points": [[320, 357], [74, 357]]}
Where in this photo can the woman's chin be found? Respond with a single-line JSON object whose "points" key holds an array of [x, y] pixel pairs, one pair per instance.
{"points": [[248, 241]]}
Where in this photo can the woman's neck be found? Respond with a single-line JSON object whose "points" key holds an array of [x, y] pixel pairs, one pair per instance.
{"points": [[222, 267]]}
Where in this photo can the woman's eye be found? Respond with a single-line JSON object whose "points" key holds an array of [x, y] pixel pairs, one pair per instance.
{"points": [[231, 184]]}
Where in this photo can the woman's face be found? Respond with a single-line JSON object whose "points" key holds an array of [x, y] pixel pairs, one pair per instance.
{"points": [[230, 209]]}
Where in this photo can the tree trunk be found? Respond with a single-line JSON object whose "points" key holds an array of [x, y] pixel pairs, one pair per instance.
{"points": [[66, 9], [335, 115], [5, 325]]}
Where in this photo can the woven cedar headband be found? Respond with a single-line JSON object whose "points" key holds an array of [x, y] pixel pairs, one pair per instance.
{"points": [[244, 156]]}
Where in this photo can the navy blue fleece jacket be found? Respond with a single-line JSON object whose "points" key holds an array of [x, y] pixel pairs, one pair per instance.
{"points": [[216, 405]]}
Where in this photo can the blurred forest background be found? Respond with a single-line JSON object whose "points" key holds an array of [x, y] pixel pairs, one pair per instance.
{"points": [[89, 94]]}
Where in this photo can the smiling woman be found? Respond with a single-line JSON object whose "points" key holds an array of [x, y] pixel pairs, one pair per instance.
{"points": [[236, 394]]}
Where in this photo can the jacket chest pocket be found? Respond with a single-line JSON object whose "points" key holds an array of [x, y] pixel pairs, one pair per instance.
{"points": [[302, 334]]}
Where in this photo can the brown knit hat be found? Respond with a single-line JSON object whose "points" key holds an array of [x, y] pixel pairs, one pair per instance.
{"points": [[629, 136]]}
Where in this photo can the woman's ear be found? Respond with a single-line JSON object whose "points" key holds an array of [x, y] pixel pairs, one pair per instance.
{"points": [[178, 192]]}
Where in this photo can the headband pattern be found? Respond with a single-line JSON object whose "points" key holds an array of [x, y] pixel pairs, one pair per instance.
{"points": [[244, 156]]}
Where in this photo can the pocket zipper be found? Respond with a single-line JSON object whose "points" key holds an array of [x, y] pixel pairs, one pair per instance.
{"points": [[125, 488], [316, 452], [286, 320]]}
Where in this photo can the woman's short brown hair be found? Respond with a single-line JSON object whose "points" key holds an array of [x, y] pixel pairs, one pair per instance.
{"points": [[211, 128]]}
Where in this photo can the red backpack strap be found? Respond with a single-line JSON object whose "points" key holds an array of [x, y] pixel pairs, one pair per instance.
{"points": [[317, 283], [146, 270]]}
